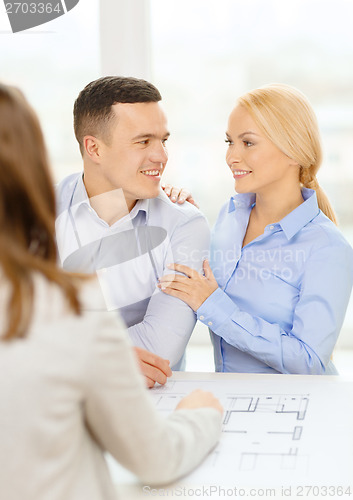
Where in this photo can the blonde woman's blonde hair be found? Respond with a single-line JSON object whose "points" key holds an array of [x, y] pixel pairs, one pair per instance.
{"points": [[288, 120]]}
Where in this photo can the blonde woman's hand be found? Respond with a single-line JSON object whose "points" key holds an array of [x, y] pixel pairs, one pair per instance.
{"points": [[178, 195], [193, 288]]}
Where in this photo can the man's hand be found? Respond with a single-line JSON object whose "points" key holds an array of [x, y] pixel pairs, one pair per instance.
{"points": [[179, 195], [153, 367]]}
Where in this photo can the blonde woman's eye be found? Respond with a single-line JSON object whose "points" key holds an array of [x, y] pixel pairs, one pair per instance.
{"points": [[228, 141], [248, 144]]}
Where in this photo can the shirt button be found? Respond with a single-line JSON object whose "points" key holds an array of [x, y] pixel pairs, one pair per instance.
{"points": [[210, 323], [202, 317], [272, 227]]}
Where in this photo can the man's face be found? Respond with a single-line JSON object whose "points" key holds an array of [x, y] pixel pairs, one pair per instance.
{"points": [[136, 155]]}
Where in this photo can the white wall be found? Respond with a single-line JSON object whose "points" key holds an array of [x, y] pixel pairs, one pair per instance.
{"points": [[125, 38]]}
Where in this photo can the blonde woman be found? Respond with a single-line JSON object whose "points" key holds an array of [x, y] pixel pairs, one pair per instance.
{"points": [[70, 386], [276, 291]]}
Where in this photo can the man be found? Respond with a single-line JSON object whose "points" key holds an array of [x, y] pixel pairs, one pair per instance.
{"points": [[115, 220]]}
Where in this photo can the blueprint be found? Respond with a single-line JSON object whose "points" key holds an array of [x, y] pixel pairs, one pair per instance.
{"points": [[277, 430]]}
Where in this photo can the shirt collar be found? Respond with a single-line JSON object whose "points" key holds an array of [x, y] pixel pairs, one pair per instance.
{"points": [[291, 223], [80, 198], [300, 216], [242, 200]]}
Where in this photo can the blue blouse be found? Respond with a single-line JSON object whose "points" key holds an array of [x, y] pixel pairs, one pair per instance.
{"points": [[282, 298]]}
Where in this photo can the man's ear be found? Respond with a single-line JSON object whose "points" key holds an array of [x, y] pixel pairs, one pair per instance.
{"points": [[92, 147]]}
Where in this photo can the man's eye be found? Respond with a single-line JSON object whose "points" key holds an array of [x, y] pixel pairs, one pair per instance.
{"points": [[144, 142], [164, 142]]}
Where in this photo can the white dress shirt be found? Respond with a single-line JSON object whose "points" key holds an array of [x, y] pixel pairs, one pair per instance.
{"points": [[129, 256]]}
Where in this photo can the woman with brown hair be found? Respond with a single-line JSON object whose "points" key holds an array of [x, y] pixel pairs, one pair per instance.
{"points": [[282, 272], [70, 387]]}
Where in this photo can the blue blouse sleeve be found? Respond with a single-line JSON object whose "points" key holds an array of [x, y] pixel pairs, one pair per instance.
{"points": [[317, 318]]}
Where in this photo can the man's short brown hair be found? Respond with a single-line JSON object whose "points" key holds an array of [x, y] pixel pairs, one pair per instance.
{"points": [[93, 112]]}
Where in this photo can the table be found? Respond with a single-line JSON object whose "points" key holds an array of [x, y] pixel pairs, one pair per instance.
{"points": [[283, 436]]}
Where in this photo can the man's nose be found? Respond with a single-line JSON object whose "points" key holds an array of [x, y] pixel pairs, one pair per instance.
{"points": [[159, 153]]}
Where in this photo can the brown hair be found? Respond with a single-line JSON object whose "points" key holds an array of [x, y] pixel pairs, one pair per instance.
{"points": [[93, 107], [27, 211], [288, 120]]}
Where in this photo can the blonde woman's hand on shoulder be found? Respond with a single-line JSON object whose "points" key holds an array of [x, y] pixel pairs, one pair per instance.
{"points": [[178, 195]]}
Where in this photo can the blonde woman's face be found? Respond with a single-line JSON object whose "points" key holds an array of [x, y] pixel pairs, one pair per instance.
{"points": [[256, 163]]}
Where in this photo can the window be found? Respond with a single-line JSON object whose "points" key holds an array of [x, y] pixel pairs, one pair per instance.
{"points": [[50, 64]]}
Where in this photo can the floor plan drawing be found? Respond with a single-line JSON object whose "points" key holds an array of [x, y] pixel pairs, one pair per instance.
{"points": [[260, 431], [276, 431], [269, 403]]}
